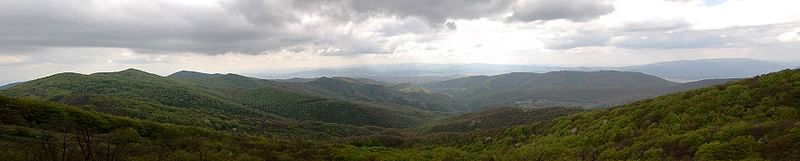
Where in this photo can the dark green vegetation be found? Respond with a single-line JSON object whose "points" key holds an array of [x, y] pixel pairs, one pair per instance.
{"points": [[751, 119], [495, 118], [366, 90], [227, 102], [298, 101], [563, 88]]}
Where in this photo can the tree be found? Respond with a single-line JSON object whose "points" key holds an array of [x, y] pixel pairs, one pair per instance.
{"points": [[117, 142], [741, 147]]}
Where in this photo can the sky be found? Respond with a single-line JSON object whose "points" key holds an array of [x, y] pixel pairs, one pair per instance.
{"points": [[43, 37]]}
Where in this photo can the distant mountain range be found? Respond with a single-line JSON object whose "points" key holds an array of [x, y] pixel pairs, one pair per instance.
{"points": [[680, 71], [692, 70], [341, 88], [561, 88], [411, 73]]}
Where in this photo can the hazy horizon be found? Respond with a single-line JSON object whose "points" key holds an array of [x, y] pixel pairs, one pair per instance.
{"points": [[425, 70]]}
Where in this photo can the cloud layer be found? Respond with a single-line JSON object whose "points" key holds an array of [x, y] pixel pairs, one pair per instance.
{"points": [[259, 35], [575, 10]]}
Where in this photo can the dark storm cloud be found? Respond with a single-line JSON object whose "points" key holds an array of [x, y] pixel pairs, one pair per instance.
{"points": [[574, 10], [145, 25], [434, 11], [246, 26], [451, 25]]}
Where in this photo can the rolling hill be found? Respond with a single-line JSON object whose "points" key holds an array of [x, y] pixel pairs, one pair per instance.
{"points": [[401, 94], [561, 88], [143, 95], [225, 106], [293, 101], [362, 90]]}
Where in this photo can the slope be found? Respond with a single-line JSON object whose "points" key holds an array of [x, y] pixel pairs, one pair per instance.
{"points": [[287, 101], [138, 94], [401, 94], [752, 119], [44, 131], [341, 88], [494, 118]]}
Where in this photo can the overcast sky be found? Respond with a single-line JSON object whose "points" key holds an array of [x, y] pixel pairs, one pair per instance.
{"points": [[43, 37]]}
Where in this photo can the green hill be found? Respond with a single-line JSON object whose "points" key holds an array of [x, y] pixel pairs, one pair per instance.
{"points": [[348, 88], [297, 103], [340, 88], [752, 119], [138, 94], [563, 88]]}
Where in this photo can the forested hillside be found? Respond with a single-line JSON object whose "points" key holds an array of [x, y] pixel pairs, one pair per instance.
{"points": [[299, 101], [351, 89], [227, 103], [561, 88], [407, 95], [751, 119]]}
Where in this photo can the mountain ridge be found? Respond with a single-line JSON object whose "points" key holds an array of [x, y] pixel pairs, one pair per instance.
{"points": [[560, 88]]}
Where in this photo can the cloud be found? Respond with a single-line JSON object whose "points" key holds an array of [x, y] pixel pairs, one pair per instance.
{"points": [[340, 27], [577, 39], [434, 11], [451, 25], [751, 36], [168, 26], [574, 10], [660, 25], [591, 35], [790, 36]]}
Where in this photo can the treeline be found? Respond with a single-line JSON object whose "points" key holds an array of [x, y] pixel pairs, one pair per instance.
{"points": [[38, 131], [41, 131]]}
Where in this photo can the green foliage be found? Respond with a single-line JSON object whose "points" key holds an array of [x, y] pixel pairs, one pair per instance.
{"points": [[220, 102], [741, 147], [753, 119], [301, 102], [494, 118]]}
